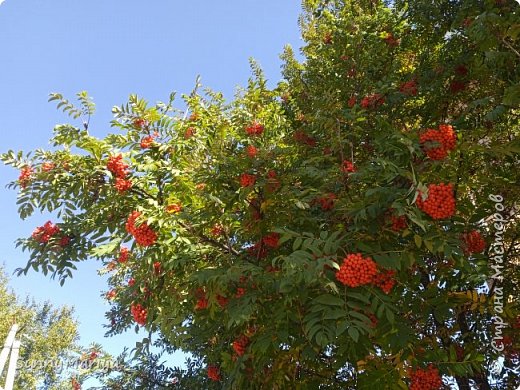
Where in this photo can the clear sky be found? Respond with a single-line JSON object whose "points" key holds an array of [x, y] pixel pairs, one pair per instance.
{"points": [[112, 49]]}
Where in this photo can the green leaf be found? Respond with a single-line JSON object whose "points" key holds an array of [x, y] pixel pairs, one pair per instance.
{"points": [[353, 333], [418, 240]]}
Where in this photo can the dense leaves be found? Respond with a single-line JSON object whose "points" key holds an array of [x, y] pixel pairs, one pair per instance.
{"points": [[315, 235]]}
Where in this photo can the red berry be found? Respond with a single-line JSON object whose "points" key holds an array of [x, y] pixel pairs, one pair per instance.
{"points": [[385, 280], [139, 313], [373, 101], [64, 241], [111, 295], [427, 379], [348, 166], [457, 86], [254, 128], [174, 208], [327, 38], [302, 138], [222, 300], [391, 40], [124, 254], [356, 270], [190, 132], [48, 166], [202, 303], [117, 166], [247, 180], [122, 185], [437, 143], [214, 373], [217, 230], [240, 345], [440, 202], [240, 292], [139, 123], [251, 151], [273, 183], [409, 88], [398, 222], [327, 202], [146, 142], [44, 233], [143, 234], [75, 384], [473, 242], [271, 240], [25, 176]]}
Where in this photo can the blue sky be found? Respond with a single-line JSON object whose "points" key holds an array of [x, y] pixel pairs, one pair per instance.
{"points": [[112, 49]]}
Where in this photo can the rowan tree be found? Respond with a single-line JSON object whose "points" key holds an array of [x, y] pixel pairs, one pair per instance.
{"points": [[334, 232]]}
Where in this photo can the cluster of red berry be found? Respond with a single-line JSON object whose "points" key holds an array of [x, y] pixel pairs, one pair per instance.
{"points": [[111, 295], [327, 202], [247, 180], [190, 132], [437, 143], [44, 233], [139, 313], [214, 373], [302, 138], [48, 166], [217, 230], [75, 384], [157, 267], [202, 300], [398, 222], [356, 270], [174, 208], [348, 166], [240, 292], [473, 242], [202, 303], [271, 240], [64, 241], [373, 101], [427, 379], [147, 141], [119, 168], [273, 184], [409, 88], [254, 128], [391, 40], [131, 282], [385, 280], [251, 151], [240, 345], [122, 184], [327, 38], [222, 300], [352, 101], [124, 254], [25, 176], [440, 202], [143, 234], [139, 123]]}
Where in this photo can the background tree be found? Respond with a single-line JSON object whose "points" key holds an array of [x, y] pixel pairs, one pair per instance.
{"points": [[49, 356], [332, 233]]}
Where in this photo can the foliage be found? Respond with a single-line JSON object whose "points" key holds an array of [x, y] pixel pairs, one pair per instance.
{"points": [[247, 210], [49, 354]]}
